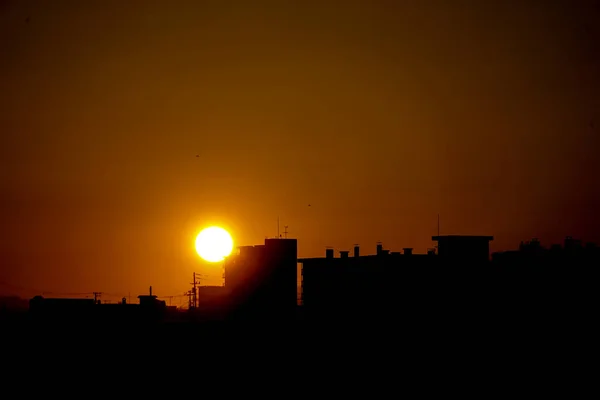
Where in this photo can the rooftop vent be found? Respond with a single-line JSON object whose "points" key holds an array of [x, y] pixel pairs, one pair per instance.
{"points": [[328, 253]]}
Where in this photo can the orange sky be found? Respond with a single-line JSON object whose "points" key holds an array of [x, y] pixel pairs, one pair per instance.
{"points": [[380, 114]]}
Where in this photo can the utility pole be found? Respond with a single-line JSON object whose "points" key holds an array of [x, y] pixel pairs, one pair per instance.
{"points": [[194, 300], [194, 291], [189, 295]]}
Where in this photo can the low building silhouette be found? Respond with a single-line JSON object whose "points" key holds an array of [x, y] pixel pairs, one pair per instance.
{"points": [[82, 310], [58, 306], [390, 283], [458, 283], [553, 281]]}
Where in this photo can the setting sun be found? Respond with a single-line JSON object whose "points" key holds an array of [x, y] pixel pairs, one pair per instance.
{"points": [[214, 244]]}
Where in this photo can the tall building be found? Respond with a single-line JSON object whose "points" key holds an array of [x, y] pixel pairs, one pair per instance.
{"points": [[262, 280]]}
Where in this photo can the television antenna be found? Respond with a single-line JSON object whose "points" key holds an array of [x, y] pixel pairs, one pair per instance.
{"points": [[285, 232]]}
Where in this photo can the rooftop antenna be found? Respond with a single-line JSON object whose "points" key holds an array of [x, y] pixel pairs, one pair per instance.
{"points": [[285, 232], [278, 235]]}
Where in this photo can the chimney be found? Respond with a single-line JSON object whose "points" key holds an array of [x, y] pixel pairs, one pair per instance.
{"points": [[407, 251], [150, 290], [328, 253], [344, 254], [356, 251], [379, 248]]}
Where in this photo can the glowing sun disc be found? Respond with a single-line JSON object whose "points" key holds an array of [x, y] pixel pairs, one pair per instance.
{"points": [[214, 244]]}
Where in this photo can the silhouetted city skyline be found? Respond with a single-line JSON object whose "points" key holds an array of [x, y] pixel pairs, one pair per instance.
{"points": [[338, 183], [129, 127], [460, 279]]}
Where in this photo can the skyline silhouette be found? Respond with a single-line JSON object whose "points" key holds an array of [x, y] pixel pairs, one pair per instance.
{"points": [[528, 254], [459, 286], [126, 127], [14, 294]]}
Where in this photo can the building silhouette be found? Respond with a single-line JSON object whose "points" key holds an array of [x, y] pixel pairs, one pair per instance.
{"points": [[457, 284], [212, 304], [555, 282], [261, 281], [82, 310], [384, 284], [460, 283], [463, 249]]}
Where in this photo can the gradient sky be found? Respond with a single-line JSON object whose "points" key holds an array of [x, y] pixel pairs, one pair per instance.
{"points": [[380, 114]]}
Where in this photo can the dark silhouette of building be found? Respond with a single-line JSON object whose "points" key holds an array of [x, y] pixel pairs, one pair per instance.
{"points": [[61, 306], [464, 249], [359, 286], [212, 303], [262, 280], [557, 282], [208, 295], [390, 284], [151, 300], [75, 311], [457, 285]]}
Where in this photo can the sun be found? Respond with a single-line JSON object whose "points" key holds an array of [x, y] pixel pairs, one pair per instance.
{"points": [[214, 244]]}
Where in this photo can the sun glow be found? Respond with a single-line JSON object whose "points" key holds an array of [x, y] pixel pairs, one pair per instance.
{"points": [[214, 244]]}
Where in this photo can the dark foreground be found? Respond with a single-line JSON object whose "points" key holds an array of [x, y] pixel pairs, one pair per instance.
{"points": [[434, 352], [479, 321]]}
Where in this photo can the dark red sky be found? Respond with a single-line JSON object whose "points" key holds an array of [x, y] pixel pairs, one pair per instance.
{"points": [[380, 114]]}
